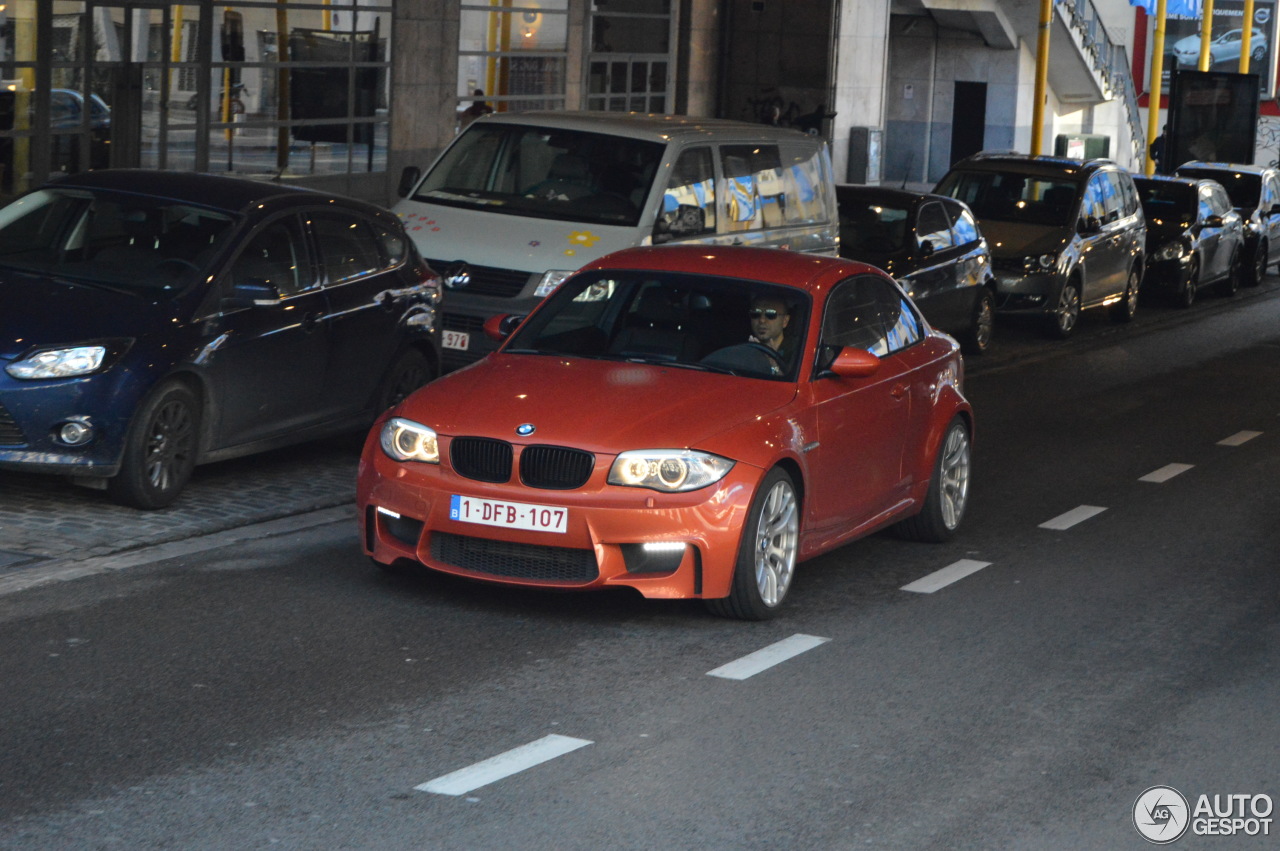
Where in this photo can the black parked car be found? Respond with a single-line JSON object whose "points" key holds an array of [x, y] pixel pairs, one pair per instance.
{"points": [[1194, 237], [151, 321], [932, 246], [1255, 193]]}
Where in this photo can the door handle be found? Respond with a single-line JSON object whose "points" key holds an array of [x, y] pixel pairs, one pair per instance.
{"points": [[898, 391], [310, 321]]}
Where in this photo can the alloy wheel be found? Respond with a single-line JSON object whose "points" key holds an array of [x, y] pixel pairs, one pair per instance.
{"points": [[953, 469], [777, 540]]}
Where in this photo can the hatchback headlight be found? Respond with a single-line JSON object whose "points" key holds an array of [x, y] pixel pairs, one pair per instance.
{"points": [[1042, 263], [405, 440], [668, 470], [550, 281], [59, 363], [1172, 251]]}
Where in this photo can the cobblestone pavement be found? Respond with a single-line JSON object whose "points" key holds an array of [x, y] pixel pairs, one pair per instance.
{"points": [[45, 517]]}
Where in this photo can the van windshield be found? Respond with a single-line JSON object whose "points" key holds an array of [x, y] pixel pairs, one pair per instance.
{"points": [[1004, 196], [547, 173]]}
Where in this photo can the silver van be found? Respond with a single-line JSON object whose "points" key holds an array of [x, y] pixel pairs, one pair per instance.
{"points": [[517, 203]]}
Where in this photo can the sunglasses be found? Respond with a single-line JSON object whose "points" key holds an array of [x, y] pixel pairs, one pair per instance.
{"points": [[767, 313]]}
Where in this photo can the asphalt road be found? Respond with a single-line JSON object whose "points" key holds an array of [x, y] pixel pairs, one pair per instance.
{"points": [[283, 693]]}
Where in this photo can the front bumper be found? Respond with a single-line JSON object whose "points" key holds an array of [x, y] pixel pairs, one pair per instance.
{"points": [[32, 412], [404, 511], [1020, 292]]}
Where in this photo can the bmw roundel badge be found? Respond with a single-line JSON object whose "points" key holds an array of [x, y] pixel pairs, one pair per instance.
{"points": [[525, 429]]}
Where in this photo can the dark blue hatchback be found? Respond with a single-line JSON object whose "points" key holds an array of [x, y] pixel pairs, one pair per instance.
{"points": [[152, 321]]}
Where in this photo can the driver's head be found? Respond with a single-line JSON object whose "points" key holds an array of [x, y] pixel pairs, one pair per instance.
{"points": [[769, 317]]}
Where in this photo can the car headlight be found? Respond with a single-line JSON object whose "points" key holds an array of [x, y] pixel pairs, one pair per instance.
{"points": [[59, 363], [669, 470], [1172, 251], [551, 280], [1042, 263], [405, 440]]}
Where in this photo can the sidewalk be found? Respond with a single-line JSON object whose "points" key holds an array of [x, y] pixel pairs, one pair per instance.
{"points": [[44, 517]]}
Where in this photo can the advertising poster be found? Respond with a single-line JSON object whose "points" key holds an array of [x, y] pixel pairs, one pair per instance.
{"points": [[1212, 117], [1182, 42]]}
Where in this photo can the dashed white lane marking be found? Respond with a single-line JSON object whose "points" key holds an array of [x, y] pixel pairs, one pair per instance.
{"points": [[1239, 438], [1165, 473], [1072, 517], [503, 765], [942, 578], [766, 658]]}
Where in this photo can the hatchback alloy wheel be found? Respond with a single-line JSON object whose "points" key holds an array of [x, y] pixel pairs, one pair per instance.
{"points": [[953, 477], [777, 534]]}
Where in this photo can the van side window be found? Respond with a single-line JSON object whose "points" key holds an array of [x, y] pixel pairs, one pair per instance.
{"points": [[691, 187], [804, 178], [753, 183]]}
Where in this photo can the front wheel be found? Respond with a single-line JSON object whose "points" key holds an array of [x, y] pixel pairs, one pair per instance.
{"points": [[948, 490], [409, 371], [1186, 294], [1065, 315], [160, 449], [1230, 285], [767, 555], [977, 338], [1127, 307], [1259, 270]]}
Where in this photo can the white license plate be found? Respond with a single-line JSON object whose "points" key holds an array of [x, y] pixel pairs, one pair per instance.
{"points": [[509, 515], [459, 340]]}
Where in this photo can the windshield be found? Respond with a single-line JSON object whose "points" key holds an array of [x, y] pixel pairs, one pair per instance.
{"points": [[1168, 201], [867, 227], [125, 242], [692, 321], [1242, 187], [545, 173], [1010, 197]]}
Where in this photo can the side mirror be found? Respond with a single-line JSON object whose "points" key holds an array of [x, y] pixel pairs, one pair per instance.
{"points": [[855, 363], [252, 293], [408, 179], [499, 328], [927, 248]]}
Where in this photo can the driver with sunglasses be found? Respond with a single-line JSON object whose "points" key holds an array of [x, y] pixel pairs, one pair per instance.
{"points": [[769, 318]]}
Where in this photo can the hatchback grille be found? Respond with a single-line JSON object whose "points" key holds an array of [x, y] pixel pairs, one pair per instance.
{"points": [[514, 561], [484, 280], [481, 458], [10, 434], [555, 467]]}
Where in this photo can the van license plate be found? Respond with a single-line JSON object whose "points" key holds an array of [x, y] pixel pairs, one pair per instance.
{"points": [[459, 340], [509, 515]]}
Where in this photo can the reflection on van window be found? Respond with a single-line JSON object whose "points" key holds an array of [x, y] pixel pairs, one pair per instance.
{"points": [[555, 174], [1008, 197], [691, 187]]}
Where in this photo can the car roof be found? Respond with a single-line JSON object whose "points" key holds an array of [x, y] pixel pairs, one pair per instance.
{"points": [[1237, 167], [650, 127], [1027, 164], [1140, 179], [889, 194], [768, 265], [230, 194]]}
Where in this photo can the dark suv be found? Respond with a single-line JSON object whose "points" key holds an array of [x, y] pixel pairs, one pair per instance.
{"points": [[1255, 193], [1065, 235]]}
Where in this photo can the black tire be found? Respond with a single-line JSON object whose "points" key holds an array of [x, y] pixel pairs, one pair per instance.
{"points": [[1127, 307], [1186, 293], [409, 371], [767, 555], [1258, 270], [1066, 312], [948, 493], [160, 449], [1230, 285], [977, 337]]}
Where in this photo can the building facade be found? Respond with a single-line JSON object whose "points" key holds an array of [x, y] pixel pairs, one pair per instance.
{"points": [[344, 94]]}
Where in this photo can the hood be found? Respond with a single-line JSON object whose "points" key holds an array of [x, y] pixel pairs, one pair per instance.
{"points": [[600, 406], [484, 238], [1016, 239], [39, 310], [1163, 230]]}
